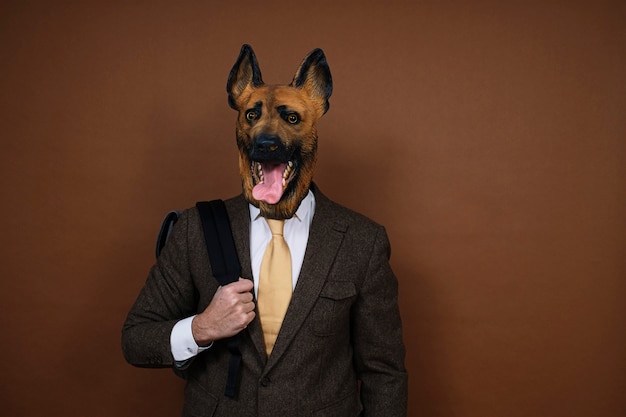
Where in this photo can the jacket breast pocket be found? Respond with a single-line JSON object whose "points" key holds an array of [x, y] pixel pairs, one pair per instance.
{"points": [[331, 312]]}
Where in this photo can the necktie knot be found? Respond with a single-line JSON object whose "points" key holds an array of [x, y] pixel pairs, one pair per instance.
{"points": [[276, 226]]}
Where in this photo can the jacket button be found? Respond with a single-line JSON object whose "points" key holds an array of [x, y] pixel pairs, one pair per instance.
{"points": [[265, 381]]}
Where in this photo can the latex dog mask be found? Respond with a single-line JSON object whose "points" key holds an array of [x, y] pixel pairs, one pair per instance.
{"points": [[276, 133]]}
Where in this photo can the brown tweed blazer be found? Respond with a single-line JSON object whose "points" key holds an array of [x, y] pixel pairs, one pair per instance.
{"points": [[340, 351]]}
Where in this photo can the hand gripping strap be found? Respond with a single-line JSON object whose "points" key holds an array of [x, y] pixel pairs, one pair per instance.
{"points": [[226, 269]]}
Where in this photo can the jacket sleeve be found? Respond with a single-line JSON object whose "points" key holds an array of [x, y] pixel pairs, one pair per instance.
{"points": [[167, 296], [377, 337]]}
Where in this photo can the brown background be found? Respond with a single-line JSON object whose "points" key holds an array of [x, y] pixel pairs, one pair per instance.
{"points": [[489, 137]]}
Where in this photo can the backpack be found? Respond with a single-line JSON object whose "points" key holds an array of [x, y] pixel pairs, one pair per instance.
{"points": [[224, 264]]}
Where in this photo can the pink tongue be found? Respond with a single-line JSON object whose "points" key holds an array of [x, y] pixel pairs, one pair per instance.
{"points": [[271, 189]]}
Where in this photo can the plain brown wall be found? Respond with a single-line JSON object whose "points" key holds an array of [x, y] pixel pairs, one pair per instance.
{"points": [[489, 137]]}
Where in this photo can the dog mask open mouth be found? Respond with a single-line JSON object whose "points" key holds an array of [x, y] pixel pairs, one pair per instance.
{"points": [[271, 180], [276, 133]]}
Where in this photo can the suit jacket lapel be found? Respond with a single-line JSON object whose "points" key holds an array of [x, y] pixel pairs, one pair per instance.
{"points": [[325, 237]]}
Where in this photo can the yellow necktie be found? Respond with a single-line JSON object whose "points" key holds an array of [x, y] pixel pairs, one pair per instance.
{"points": [[275, 285]]}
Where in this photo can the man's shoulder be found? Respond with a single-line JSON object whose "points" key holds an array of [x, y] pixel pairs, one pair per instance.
{"points": [[235, 206]]}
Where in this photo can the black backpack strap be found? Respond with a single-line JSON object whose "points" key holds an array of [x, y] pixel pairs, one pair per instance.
{"points": [[166, 228], [219, 241], [226, 269]]}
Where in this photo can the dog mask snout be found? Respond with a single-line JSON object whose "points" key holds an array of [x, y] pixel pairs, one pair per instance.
{"points": [[269, 148]]}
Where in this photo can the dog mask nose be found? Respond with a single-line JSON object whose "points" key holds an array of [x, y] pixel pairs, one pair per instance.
{"points": [[269, 148]]}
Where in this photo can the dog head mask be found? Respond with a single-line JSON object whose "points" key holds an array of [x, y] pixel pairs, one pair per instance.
{"points": [[276, 133]]}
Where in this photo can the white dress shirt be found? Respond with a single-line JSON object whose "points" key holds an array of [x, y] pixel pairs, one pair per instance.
{"points": [[296, 234]]}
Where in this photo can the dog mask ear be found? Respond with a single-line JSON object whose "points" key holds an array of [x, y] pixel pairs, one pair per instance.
{"points": [[245, 72], [313, 76]]}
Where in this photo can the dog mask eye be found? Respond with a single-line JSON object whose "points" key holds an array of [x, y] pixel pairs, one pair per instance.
{"points": [[293, 118], [250, 115]]}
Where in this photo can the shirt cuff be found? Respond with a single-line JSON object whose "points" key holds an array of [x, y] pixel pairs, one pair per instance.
{"points": [[182, 343]]}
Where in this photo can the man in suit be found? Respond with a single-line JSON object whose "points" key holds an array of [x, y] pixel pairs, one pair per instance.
{"points": [[337, 350]]}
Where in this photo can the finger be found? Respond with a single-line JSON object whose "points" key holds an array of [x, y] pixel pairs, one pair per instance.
{"points": [[243, 285], [249, 317], [246, 297], [238, 287], [248, 307]]}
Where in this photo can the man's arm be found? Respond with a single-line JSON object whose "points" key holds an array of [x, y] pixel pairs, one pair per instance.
{"points": [[167, 304]]}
